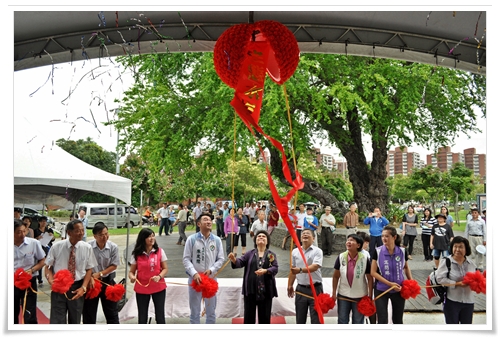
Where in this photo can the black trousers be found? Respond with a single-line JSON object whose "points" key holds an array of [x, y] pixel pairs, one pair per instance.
{"points": [[408, 242], [143, 306], [263, 308], [30, 311], [426, 243], [374, 243], [165, 222], [304, 304], [63, 310], [108, 307], [398, 307], [326, 240]]}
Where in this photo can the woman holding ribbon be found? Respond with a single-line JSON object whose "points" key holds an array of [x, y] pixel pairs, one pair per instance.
{"points": [[259, 284], [389, 265], [148, 268]]}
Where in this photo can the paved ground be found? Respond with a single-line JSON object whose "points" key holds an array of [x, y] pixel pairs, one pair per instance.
{"points": [[176, 270]]}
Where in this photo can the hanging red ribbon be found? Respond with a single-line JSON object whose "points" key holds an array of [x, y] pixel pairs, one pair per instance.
{"points": [[243, 55]]}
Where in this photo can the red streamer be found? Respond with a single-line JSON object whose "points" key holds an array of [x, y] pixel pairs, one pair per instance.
{"points": [[410, 289], [22, 279], [62, 281], [94, 291], [243, 55], [476, 281], [115, 292], [208, 286], [367, 307]]}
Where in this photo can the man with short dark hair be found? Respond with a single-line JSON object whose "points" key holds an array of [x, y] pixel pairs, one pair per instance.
{"points": [[377, 222], [163, 214], [203, 254], [475, 232], [108, 258], [325, 231], [299, 272], [85, 221], [28, 255], [77, 257]]}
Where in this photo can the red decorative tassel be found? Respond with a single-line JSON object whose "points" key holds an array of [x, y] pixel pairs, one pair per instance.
{"points": [[208, 286], [476, 281], [22, 279], [62, 281], [94, 291], [115, 292], [325, 302], [367, 307], [410, 289]]}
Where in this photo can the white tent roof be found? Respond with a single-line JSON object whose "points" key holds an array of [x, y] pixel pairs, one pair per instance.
{"points": [[45, 173]]}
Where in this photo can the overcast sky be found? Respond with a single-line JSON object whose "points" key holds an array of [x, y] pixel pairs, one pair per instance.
{"points": [[64, 103]]}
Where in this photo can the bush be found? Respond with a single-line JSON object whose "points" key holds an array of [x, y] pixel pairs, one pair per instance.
{"points": [[59, 213]]}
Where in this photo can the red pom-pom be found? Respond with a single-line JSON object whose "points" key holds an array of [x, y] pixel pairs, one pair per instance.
{"points": [[229, 50], [410, 289], [367, 307], [95, 290], [326, 302], [62, 281], [208, 286], [115, 292], [22, 279], [484, 274], [476, 281]]}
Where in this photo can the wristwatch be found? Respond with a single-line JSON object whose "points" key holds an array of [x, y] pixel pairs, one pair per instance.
{"points": [[84, 289], [100, 274]]}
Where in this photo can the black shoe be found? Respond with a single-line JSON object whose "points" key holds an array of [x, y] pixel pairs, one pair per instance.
{"points": [[167, 235]]}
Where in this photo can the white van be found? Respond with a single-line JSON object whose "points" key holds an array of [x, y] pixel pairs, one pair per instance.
{"points": [[104, 213]]}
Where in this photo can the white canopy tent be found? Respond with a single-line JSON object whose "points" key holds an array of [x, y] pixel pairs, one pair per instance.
{"points": [[45, 173]]}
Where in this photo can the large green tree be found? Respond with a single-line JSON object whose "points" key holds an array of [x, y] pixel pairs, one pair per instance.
{"points": [[178, 103]]}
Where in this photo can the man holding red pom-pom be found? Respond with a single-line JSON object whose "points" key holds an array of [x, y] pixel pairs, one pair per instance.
{"points": [[108, 258], [203, 254], [75, 256], [28, 255]]}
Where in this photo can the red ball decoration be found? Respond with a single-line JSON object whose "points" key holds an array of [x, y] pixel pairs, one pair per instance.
{"points": [[62, 281], [367, 307], [410, 289], [476, 281], [229, 50], [22, 279], [115, 292], [208, 286], [95, 290], [326, 302]]}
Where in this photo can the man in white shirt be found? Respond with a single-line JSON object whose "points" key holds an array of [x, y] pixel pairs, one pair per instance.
{"points": [[164, 215], [259, 224], [197, 211], [326, 222], [301, 215]]}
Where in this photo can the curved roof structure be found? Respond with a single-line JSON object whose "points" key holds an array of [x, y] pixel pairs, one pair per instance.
{"points": [[446, 38]]}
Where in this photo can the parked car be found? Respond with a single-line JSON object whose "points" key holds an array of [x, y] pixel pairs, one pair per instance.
{"points": [[35, 215], [104, 213]]}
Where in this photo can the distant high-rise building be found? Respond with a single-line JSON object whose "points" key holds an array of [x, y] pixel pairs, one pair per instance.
{"points": [[475, 162], [400, 161], [444, 159]]}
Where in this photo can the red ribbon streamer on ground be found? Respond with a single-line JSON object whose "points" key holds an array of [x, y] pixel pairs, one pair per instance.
{"points": [[247, 101]]}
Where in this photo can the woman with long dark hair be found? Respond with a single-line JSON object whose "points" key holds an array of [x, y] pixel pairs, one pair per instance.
{"points": [[389, 265], [449, 218], [148, 268], [426, 224], [410, 222]]}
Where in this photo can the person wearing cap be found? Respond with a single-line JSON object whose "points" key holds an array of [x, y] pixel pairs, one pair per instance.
{"points": [[475, 232], [441, 236], [203, 254], [299, 271], [311, 222], [325, 231]]}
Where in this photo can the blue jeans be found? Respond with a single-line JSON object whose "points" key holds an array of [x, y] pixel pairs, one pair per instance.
{"points": [[436, 253], [195, 306], [345, 308]]}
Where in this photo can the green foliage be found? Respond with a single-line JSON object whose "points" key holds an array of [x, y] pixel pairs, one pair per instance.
{"points": [[179, 106]]}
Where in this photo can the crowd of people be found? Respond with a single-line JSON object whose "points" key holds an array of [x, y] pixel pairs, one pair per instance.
{"points": [[374, 263]]}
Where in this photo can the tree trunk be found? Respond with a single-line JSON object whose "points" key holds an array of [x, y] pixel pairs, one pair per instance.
{"points": [[312, 188]]}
